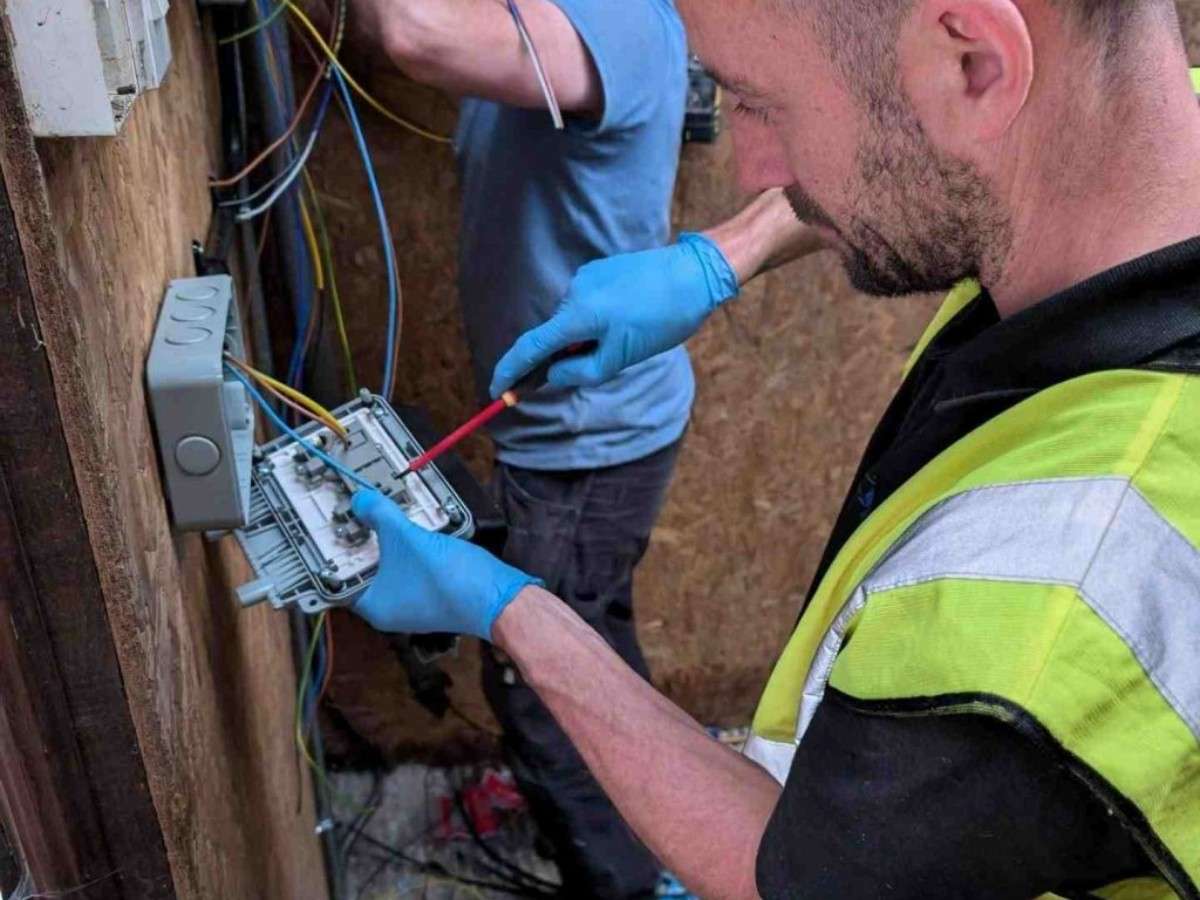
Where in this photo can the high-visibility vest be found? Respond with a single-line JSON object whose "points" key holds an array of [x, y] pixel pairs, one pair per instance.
{"points": [[1043, 571]]}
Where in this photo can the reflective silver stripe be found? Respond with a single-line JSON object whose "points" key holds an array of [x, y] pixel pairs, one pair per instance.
{"points": [[1145, 583], [1098, 535], [774, 756]]}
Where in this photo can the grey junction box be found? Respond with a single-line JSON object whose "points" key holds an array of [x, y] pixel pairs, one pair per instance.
{"points": [[202, 416], [289, 509]]}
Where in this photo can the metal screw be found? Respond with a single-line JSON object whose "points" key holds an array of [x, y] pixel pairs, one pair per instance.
{"points": [[265, 469], [365, 396]]}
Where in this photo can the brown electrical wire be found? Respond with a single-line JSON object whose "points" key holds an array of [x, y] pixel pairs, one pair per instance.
{"points": [[291, 404], [262, 235], [325, 416], [279, 141], [335, 37]]}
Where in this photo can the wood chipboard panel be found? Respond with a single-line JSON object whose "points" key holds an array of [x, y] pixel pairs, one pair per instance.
{"points": [[104, 224]]}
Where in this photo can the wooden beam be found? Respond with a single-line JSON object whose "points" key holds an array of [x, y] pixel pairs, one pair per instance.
{"points": [[77, 799], [103, 226]]}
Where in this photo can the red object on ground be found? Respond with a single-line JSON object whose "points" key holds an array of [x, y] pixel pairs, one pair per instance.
{"points": [[450, 826], [479, 807], [502, 790], [486, 802]]}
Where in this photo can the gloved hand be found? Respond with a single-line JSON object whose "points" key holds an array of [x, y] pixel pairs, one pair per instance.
{"points": [[634, 306], [429, 582]]}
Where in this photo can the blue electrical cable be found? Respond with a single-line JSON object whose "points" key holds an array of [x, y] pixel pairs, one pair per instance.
{"points": [[389, 251], [314, 684], [280, 94], [283, 427]]}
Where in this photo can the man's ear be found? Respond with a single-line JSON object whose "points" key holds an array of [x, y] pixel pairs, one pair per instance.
{"points": [[967, 66]]}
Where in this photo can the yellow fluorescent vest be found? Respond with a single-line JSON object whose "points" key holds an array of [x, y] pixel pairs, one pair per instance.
{"points": [[1043, 570]]}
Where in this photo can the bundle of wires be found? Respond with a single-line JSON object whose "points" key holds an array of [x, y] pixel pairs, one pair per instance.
{"points": [[332, 76], [251, 207], [499, 875], [385, 233], [310, 240]]}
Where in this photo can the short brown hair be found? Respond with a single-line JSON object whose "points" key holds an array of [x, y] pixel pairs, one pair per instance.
{"points": [[861, 33]]}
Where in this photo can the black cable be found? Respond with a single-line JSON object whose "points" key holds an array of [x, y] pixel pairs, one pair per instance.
{"points": [[435, 868], [523, 876], [359, 824], [497, 872], [535, 882], [358, 832], [383, 863], [308, 373]]}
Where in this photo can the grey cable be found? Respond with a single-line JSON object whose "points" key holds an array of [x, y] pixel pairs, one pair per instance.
{"points": [[538, 68]]}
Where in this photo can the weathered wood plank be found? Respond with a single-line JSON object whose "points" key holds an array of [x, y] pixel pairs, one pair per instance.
{"points": [[89, 817], [104, 224]]}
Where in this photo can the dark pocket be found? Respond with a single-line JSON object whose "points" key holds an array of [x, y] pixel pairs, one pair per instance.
{"points": [[541, 531]]}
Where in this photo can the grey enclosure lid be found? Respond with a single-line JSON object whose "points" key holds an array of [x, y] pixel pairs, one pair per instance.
{"points": [[305, 546]]}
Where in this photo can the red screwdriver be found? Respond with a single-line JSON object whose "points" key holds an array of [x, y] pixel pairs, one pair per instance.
{"points": [[534, 380]]}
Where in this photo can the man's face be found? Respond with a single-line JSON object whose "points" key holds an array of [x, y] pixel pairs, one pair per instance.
{"points": [[851, 156]]}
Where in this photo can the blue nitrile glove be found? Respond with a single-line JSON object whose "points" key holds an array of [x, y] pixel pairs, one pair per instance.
{"points": [[429, 582], [634, 306]]}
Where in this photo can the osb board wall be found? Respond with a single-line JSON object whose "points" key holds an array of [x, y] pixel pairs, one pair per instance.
{"points": [[791, 379], [209, 686]]}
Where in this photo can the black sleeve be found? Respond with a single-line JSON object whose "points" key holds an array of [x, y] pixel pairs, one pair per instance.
{"points": [[935, 806]]}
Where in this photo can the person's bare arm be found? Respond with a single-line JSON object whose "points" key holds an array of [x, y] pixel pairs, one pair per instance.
{"points": [[472, 47], [764, 235], [699, 806]]}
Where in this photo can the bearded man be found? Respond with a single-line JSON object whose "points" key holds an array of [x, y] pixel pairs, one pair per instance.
{"points": [[994, 688]]}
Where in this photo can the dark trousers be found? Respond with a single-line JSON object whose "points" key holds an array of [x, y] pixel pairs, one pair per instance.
{"points": [[582, 533]]}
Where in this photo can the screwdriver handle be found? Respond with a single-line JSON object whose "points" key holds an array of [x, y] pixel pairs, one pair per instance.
{"points": [[537, 377]]}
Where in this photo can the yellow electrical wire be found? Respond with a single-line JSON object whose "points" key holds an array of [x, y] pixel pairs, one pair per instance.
{"points": [[302, 689], [324, 415], [301, 742], [292, 404], [358, 88], [255, 28], [310, 237], [335, 296]]}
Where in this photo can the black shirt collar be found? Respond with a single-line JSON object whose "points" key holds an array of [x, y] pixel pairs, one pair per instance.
{"points": [[1121, 318], [979, 366]]}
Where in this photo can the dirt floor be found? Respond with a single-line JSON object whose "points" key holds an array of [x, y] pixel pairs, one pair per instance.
{"points": [[406, 833]]}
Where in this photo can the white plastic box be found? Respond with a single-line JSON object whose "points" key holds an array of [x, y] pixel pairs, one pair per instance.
{"points": [[83, 63]]}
